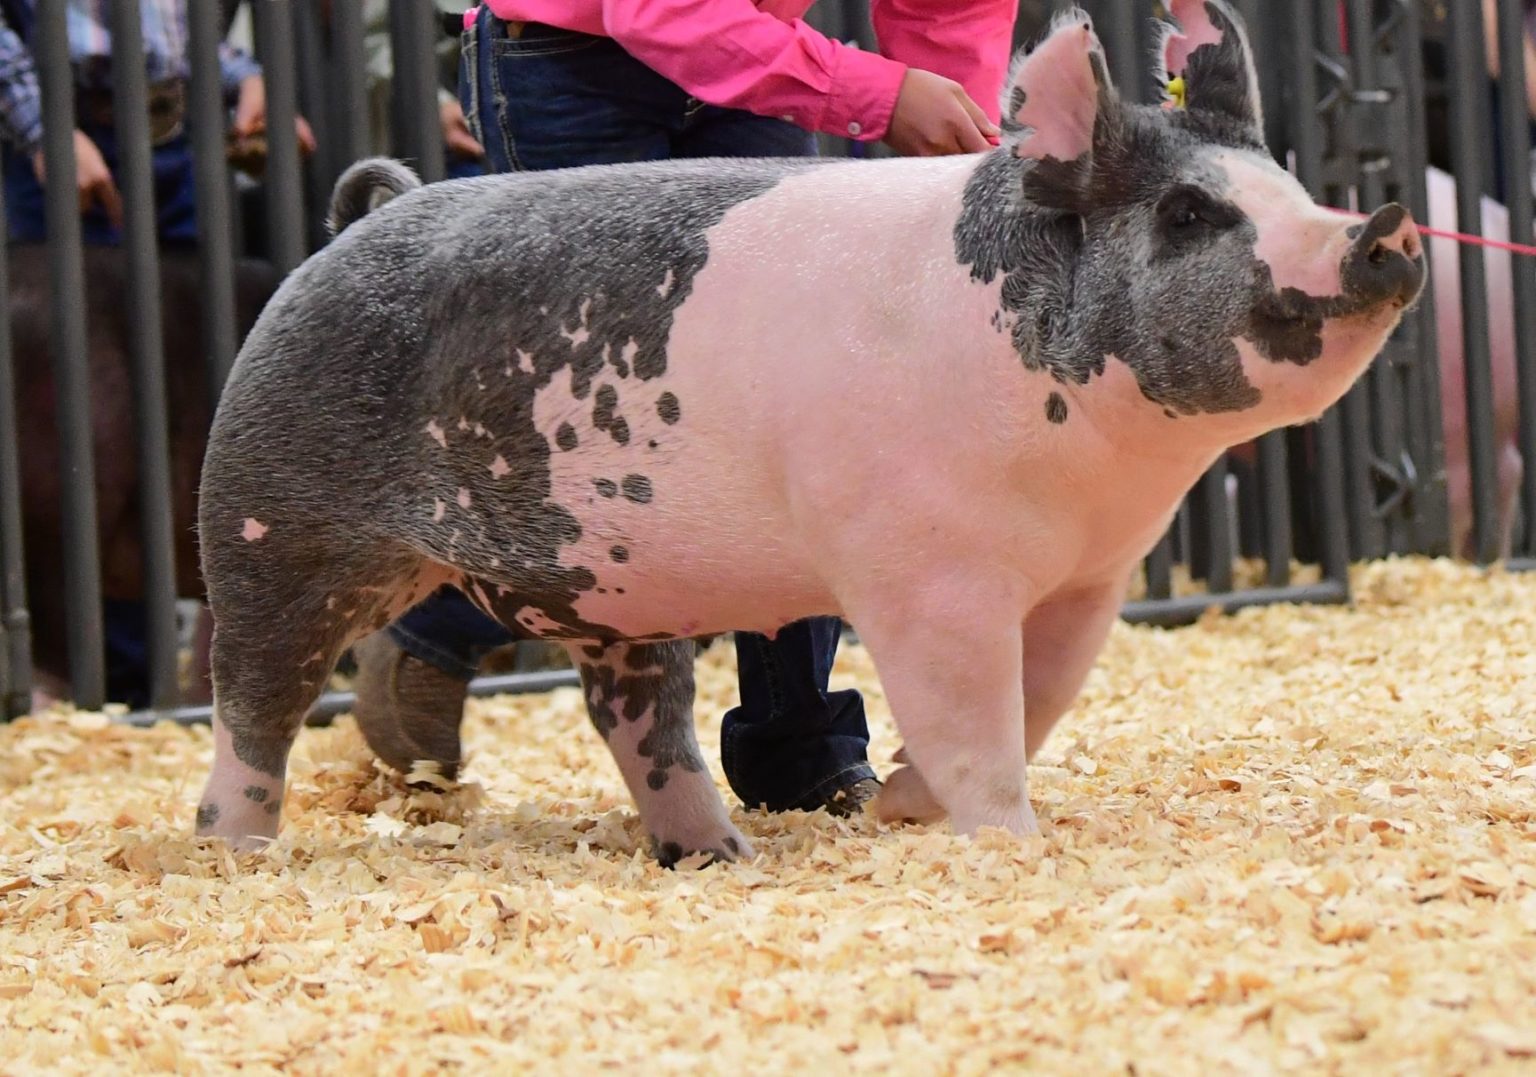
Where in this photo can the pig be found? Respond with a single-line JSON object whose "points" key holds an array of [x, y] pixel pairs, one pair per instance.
{"points": [[1445, 274], [116, 463], [954, 400]]}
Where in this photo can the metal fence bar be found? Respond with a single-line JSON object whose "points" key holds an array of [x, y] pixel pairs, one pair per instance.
{"points": [[1159, 569], [1216, 521], [72, 379], [15, 622], [350, 90], [215, 230], [333, 703], [1469, 149], [1275, 492], [312, 104], [1430, 524], [1307, 143], [414, 29], [1177, 611], [284, 182], [1515, 127], [146, 347], [1381, 384]]}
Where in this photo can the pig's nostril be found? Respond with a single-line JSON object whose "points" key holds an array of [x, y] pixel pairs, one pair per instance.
{"points": [[1379, 255]]}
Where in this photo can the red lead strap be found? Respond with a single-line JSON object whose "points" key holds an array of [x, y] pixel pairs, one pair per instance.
{"points": [[1459, 237]]}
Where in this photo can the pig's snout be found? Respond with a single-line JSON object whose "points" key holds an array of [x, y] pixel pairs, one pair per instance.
{"points": [[1386, 262]]}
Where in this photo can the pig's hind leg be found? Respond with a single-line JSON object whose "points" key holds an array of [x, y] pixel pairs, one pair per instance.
{"points": [[286, 603], [640, 698]]}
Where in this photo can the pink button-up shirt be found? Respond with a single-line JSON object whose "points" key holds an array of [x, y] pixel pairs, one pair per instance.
{"points": [[759, 55]]}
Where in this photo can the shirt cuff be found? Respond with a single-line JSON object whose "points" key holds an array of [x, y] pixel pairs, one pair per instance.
{"points": [[863, 96], [26, 120], [236, 67]]}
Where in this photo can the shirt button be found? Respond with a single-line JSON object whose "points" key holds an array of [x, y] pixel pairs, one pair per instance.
{"points": [[854, 129], [787, 118]]}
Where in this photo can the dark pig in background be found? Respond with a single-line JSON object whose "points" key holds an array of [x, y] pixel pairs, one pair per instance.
{"points": [[956, 400], [113, 429]]}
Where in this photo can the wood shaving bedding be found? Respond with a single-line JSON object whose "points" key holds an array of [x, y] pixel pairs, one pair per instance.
{"points": [[1291, 839]]}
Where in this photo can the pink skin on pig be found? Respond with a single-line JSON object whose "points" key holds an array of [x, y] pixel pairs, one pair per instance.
{"points": [[1035, 530]]}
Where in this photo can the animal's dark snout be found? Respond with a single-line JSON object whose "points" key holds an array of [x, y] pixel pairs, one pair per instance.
{"points": [[1386, 263]]}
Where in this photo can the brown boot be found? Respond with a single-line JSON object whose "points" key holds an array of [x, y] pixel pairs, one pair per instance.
{"points": [[408, 710], [850, 799]]}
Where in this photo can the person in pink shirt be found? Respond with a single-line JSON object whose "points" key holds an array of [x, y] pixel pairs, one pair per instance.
{"points": [[562, 83]]}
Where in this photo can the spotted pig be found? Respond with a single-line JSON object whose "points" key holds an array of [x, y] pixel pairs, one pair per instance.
{"points": [[955, 400]]}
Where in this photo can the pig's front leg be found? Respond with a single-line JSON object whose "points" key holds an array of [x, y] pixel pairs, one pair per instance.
{"points": [[951, 663], [640, 698], [1062, 640]]}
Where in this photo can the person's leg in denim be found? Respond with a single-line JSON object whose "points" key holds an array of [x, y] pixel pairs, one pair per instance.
{"points": [[542, 98]]}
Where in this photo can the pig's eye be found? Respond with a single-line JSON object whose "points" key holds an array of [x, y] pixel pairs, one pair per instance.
{"points": [[1188, 215]]}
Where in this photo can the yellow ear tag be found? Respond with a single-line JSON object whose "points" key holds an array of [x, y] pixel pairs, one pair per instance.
{"points": [[1176, 91]]}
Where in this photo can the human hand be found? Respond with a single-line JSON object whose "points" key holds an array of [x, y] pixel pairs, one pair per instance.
{"points": [[93, 179], [456, 134], [934, 115], [251, 114]]}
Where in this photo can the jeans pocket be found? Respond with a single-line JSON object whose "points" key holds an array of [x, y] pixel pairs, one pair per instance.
{"points": [[469, 81]]}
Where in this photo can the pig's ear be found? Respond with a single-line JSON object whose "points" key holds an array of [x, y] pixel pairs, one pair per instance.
{"points": [[1209, 50], [1057, 93]]}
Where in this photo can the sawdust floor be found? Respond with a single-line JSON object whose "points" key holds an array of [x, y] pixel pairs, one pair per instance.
{"points": [[1292, 839]]}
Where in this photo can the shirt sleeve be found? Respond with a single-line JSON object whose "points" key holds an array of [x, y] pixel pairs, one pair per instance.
{"points": [[21, 101], [235, 67], [969, 41], [728, 53]]}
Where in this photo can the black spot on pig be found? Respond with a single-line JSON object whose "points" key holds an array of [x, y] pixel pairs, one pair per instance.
{"points": [[1055, 409], [637, 488], [606, 487], [565, 437], [257, 794], [207, 815], [619, 554], [668, 408], [605, 416]]}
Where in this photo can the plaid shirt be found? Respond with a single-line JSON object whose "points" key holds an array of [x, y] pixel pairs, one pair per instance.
{"points": [[90, 46]]}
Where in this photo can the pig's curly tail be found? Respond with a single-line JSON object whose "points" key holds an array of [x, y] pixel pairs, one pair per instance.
{"points": [[366, 186]]}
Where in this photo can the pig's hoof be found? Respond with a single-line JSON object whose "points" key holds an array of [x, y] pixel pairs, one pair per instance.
{"points": [[906, 798], [242, 834], [728, 847]]}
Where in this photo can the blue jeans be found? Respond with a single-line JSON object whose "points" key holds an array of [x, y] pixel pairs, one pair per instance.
{"points": [[175, 201], [551, 98]]}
